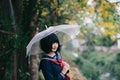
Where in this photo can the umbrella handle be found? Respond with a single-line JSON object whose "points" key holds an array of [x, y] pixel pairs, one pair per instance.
{"points": [[46, 26]]}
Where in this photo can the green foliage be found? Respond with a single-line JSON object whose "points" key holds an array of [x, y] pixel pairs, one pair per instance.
{"points": [[68, 54], [6, 46], [114, 66], [24, 75], [104, 41], [94, 64]]}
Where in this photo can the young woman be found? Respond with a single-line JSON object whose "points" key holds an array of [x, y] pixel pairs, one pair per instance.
{"points": [[52, 66]]}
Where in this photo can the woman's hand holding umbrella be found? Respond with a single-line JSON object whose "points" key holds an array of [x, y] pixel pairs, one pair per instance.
{"points": [[66, 67]]}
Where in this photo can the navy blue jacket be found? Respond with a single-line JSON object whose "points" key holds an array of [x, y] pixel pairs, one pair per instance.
{"points": [[50, 70]]}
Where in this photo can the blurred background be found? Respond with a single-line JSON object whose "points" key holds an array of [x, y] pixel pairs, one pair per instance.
{"points": [[93, 55]]}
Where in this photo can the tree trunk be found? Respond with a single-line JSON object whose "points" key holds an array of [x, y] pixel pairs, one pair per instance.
{"points": [[34, 67]]}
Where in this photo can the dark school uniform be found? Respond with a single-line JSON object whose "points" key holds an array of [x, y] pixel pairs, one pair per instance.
{"points": [[51, 67]]}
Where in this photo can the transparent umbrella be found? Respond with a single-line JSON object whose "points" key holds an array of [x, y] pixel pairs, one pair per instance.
{"points": [[63, 32]]}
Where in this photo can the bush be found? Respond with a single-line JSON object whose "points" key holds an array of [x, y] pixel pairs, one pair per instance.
{"points": [[95, 65]]}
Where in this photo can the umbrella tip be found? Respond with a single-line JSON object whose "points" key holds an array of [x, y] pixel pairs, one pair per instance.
{"points": [[46, 26]]}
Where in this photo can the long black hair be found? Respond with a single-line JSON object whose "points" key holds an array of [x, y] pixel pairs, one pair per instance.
{"points": [[46, 43]]}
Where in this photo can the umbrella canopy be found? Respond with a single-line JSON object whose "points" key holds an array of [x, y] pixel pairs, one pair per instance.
{"points": [[61, 30]]}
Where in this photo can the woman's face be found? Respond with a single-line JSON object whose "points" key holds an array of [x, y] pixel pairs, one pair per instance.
{"points": [[54, 46]]}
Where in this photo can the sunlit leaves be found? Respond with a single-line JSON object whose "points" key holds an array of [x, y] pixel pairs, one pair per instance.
{"points": [[45, 12], [106, 9], [70, 21], [109, 30]]}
